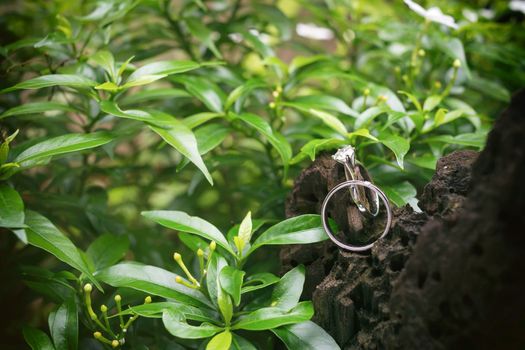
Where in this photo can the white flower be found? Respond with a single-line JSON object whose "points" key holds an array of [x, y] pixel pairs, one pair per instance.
{"points": [[312, 31], [517, 5], [433, 14]]}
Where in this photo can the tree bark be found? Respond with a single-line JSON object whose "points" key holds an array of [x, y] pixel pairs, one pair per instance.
{"points": [[451, 277]]}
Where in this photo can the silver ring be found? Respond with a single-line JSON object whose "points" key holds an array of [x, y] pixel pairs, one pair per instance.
{"points": [[324, 216]]}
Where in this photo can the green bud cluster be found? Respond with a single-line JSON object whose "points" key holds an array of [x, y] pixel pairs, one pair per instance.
{"points": [[114, 339]]}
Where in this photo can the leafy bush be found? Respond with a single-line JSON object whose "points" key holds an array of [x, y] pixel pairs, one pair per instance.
{"points": [[106, 104]]}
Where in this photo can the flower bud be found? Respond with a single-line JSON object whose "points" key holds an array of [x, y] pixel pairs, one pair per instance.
{"points": [[397, 70], [437, 85], [88, 288], [97, 335], [118, 298], [272, 105], [200, 252], [421, 53], [366, 92], [275, 93], [457, 63], [103, 308], [279, 89], [115, 343], [178, 279], [177, 257], [147, 300], [383, 98], [213, 245]]}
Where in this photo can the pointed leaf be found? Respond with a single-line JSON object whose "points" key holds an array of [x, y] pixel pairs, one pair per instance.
{"points": [[11, 208], [37, 339], [287, 291], [204, 90], [152, 280], [76, 81], [259, 281], [397, 144], [43, 234], [298, 230], [221, 341], [176, 324], [62, 144], [180, 221], [63, 324], [162, 68], [272, 317], [231, 281], [305, 336], [107, 249], [36, 107], [275, 139]]}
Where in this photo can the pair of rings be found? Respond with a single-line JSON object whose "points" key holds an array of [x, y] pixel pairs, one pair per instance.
{"points": [[358, 187]]}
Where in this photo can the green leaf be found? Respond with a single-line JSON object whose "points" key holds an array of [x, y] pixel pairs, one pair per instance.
{"points": [[469, 139], [245, 228], [201, 32], [425, 161], [154, 94], [312, 147], [176, 324], [224, 301], [298, 230], [210, 136], [107, 249], [221, 341], [330, 120], [75, 81], [259, 281], [241, 91], [324, 102], [172, 130], [273, 317], [152, 280], [239, 343], [365, 117], [143, 80], [43, 234], [11, 207], [162, 68], [36, 107], [200, 118], [231, 281], [431, 102], [105, 60], [63, 324], [155, 310], [287, 291], [276, 140], [180, 221], [62, 144], [204, 90], [400, 193], [37, 339], [216, 264], [108, 86], [112, 108], [397, 144], [305, 336], [413, 99], [490, 88], [363, 133], [183, 140]]}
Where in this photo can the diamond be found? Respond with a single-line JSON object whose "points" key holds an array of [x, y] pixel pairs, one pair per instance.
{"points": [[343, 154]]}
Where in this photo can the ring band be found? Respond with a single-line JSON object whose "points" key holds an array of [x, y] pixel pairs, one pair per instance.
{"points": [[324, 216]]}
